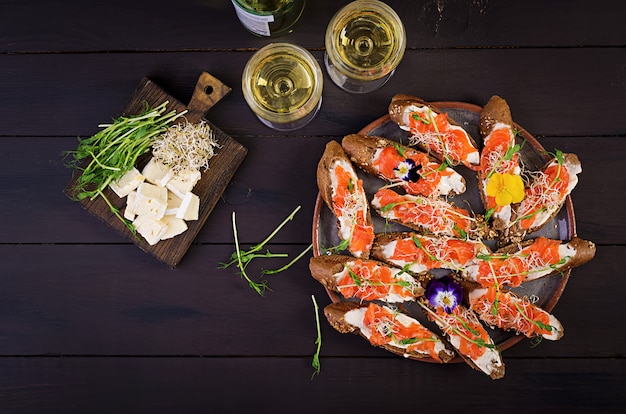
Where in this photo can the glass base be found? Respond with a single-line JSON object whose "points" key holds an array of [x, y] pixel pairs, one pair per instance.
{"points": [[353, 85], [292, 125]]}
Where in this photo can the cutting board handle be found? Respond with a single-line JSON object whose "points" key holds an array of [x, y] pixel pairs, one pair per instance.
{"points": [[208, 91]]}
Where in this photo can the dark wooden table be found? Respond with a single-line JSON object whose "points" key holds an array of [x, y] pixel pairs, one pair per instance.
{"points": [[90, 323]]}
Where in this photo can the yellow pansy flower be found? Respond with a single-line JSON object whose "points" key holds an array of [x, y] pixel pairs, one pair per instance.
{"points": [[506, 188]]}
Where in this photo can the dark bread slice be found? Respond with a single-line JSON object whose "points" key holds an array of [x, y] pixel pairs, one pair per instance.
{"points": [[335, 314], [332, 153], [496, 110], [323, 268]]}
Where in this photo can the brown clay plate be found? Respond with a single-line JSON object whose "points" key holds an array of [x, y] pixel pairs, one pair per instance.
{"points": [[547, 290]]}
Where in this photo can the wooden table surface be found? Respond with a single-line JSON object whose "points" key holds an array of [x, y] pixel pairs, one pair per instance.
{"points": [[90, 323]]}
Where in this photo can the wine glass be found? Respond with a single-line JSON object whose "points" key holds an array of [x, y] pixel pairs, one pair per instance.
{"points": [[365, 42], [282, 84]]}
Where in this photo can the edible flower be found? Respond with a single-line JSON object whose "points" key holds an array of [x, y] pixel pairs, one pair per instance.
{"points": [[407, 170], [506, 188], [444, 292]]}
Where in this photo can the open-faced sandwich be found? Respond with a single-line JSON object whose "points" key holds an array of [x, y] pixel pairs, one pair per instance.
{"points": [[545, 194], [414, 171], [532, 259], [499, 177], [342, 191], [443, 304], [432, 130], [429, 215], [365, 279], [419, 253], [504, 309], [389, 329]]}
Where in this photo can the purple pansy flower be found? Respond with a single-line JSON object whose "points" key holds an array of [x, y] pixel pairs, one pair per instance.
{"points": [[407, 170], [444, 292]]}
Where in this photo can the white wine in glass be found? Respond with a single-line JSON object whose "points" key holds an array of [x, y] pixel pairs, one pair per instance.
{"points": [[365, 42], [282, 84]]}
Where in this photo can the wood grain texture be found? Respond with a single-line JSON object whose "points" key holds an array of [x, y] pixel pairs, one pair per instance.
{"points": [[89, 323], [542, 87], [115, 300], [115, 25], [191, 385]]}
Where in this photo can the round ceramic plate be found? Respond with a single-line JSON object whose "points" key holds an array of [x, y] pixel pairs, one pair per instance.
{"points": [[547, 290]]}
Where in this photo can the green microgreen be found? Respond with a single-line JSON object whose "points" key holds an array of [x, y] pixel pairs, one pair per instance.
{"points": [[343, 245], [558, 155], [288, 265], [388, 207], [461, 233], [400, 150], [318, 341], [418, 117], [508, 156], [359, 281], [414, 340], [539, 324], [113, 151], [419, 245], [258, 287], [489, 213], [243, 258]]}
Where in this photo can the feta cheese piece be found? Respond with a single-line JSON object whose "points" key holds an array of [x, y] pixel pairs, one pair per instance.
{"points": [[157, 173], [150, 201], [189, 208], [175, 226], [127, 183], [129, 210], [173, 203], [183, 182], [152, 230]]}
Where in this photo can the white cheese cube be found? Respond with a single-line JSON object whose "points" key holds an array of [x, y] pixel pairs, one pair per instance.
{"points": [[173, 202], [183, 182], [129, 210], [152, 230], [127, 183], [175, 226], [156, 172], [150, 201], [189, 208]]}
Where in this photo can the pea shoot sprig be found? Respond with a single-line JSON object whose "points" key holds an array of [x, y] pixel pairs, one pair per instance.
{"points": [[318, 341], [242, 258], [114, 150]]}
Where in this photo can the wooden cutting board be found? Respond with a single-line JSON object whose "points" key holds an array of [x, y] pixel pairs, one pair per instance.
{"points": [[208, 91]]}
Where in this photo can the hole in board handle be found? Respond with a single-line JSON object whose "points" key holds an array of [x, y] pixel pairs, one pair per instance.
{"points": [[208, 90]]}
